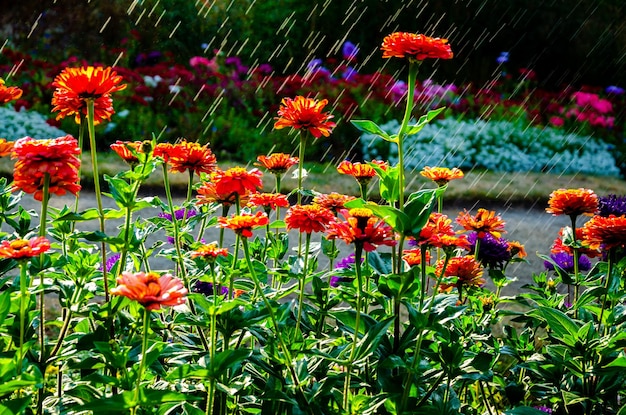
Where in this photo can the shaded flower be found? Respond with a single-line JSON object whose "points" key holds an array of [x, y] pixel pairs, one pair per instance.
{"points": [[268, 200], [151, 290], [415, 46], [605, 233], [244, 223], [306, 114], [206, 288], [485, 221], [58, 185], [413, 257], [23, 248], [112, 260], [75, 86], [612, 205], [559, 244], [437, 226], [612, 89], [180, 214], [207, 193], [503, 58], [516, 248], [277, 163], [362, 172], [308, 218], [467, 271], [349, 51], [8, 93], [333, 201], [127, 150], [188, 156], [566, 261], [572, 202], [441, 175], [6, 147], [492, 252], [209, 252], [344, 264], [236, 180], [544, 408], [362, 227]]}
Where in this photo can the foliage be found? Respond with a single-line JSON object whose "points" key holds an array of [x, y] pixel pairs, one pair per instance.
{"points": [[18, 124]]}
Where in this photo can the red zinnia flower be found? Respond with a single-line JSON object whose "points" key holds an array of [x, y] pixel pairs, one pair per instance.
{"points": [[207, 193], [415, 46], [362, 172], [184, 156], [126, 150], [74, 86], [573, 202], [237, 180], [308, 218], [467, 271], [277, 163], [244, 223], [414, 256], [333, 201], [6, 147], [305, 113], [268, 200], [8, 93], [361, 227], [485, 221], [209, 252], [441, 175], [605, 232], [437, 226], [58, 185], [559, 246], [151, 290], [21, 248]]}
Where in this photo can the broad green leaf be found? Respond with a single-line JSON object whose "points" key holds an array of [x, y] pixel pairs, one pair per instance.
{"points": [[423, 120], [15, 406], [371, 127], [372, 339], [524, 410], [418, 208], [395, 218], [388, 184], [558, 322]]}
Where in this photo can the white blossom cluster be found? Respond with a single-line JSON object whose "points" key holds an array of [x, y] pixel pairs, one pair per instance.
{"points": [[18, 124], [500, 146]]}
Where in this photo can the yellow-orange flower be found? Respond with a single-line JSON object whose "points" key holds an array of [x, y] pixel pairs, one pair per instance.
{"points": [[485, 221], [151, 290], [303, 113], [308, 218], [516, 248], [75, 86], [415, 46], [8, 93], [237, 180], [605, 232], [209, 252], [584, 249], [277, 163], [441, 175], [437, 226], [362, 172], [244, 224], [573, 202], [6, 147], [22, 248], [333, 201], [127, 150], [187, 156], [58, 185], [268, 200], [361, 227], [467, 271], [207, 193], [413, 257]]}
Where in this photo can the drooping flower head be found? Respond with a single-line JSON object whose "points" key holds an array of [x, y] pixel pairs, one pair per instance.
{"points": [[127, 150], [415, 46], [573, 202], [303, 113], [333, 201], [237, 180], [268, 201], [362, 172], [308, 218], [151, 290], [244, 224], [362, 227], [23, 248], [187, 156], [441, 175], [466, 269], [485, 221], [6, 147], [277, 163], [209, 252], [75, 86], [612, 205], [8, 93], [605, 233]]}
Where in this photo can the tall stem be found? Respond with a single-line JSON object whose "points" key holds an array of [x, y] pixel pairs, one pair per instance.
{"points": [[358, 253], [302, 283], [24, 283], [413, 67], [576, 259], [144, 349], [301, 164], [42, 296]]}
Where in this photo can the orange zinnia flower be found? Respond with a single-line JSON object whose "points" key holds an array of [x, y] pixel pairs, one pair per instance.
{"points": [[362, 172], [268, 200], [74, 86], [415, 46], [361, 227], [237, 180], [441, 175], [333, 201], [305, 114], [209, 252], [605, 232], [308, 218], [437, 226], [572, 202], [244, 223], [277, 163], [21, 248], [58, 185], [151, 290], [127, 150], [8, 93], [584, 249], [207, 193], [6, 147], [414, 256], [516, 248], [467, 271], [485, 221], [187, 156]]}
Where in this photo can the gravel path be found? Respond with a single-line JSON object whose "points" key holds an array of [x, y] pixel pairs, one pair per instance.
{"points": [[531, 226]]}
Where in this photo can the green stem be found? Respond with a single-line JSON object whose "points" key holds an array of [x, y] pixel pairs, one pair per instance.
{"points": [[576, 255], [301, 164], [302, 283], [358, 253], [413, 67], [42, 296], [24, 283], [144, 349], [213, 343], [607, 284]]}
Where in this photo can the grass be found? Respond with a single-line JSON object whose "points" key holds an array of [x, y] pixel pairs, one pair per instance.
{"points": [[525, 189]]}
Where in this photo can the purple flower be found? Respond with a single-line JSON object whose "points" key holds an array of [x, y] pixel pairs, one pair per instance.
{"points": [[315, 67], [349, 73], [345, 263], [179, 213], [206, 288], [544, 409], [398, 90], [566, 262], [503, 58], [349, 51], [612, 205], [612, 89], [111, 261], [492, 252]]}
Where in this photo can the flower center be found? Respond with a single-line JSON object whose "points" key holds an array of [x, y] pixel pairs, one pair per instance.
{"points": [[19, 244]]}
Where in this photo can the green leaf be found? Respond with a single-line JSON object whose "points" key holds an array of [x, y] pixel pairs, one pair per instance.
{"points": [[558, 322], [524, 410], [423, 120], [400, 286], [388, 184], [371, 127], [395, 218], [14, 406], [372, 339], [418, 208]]}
